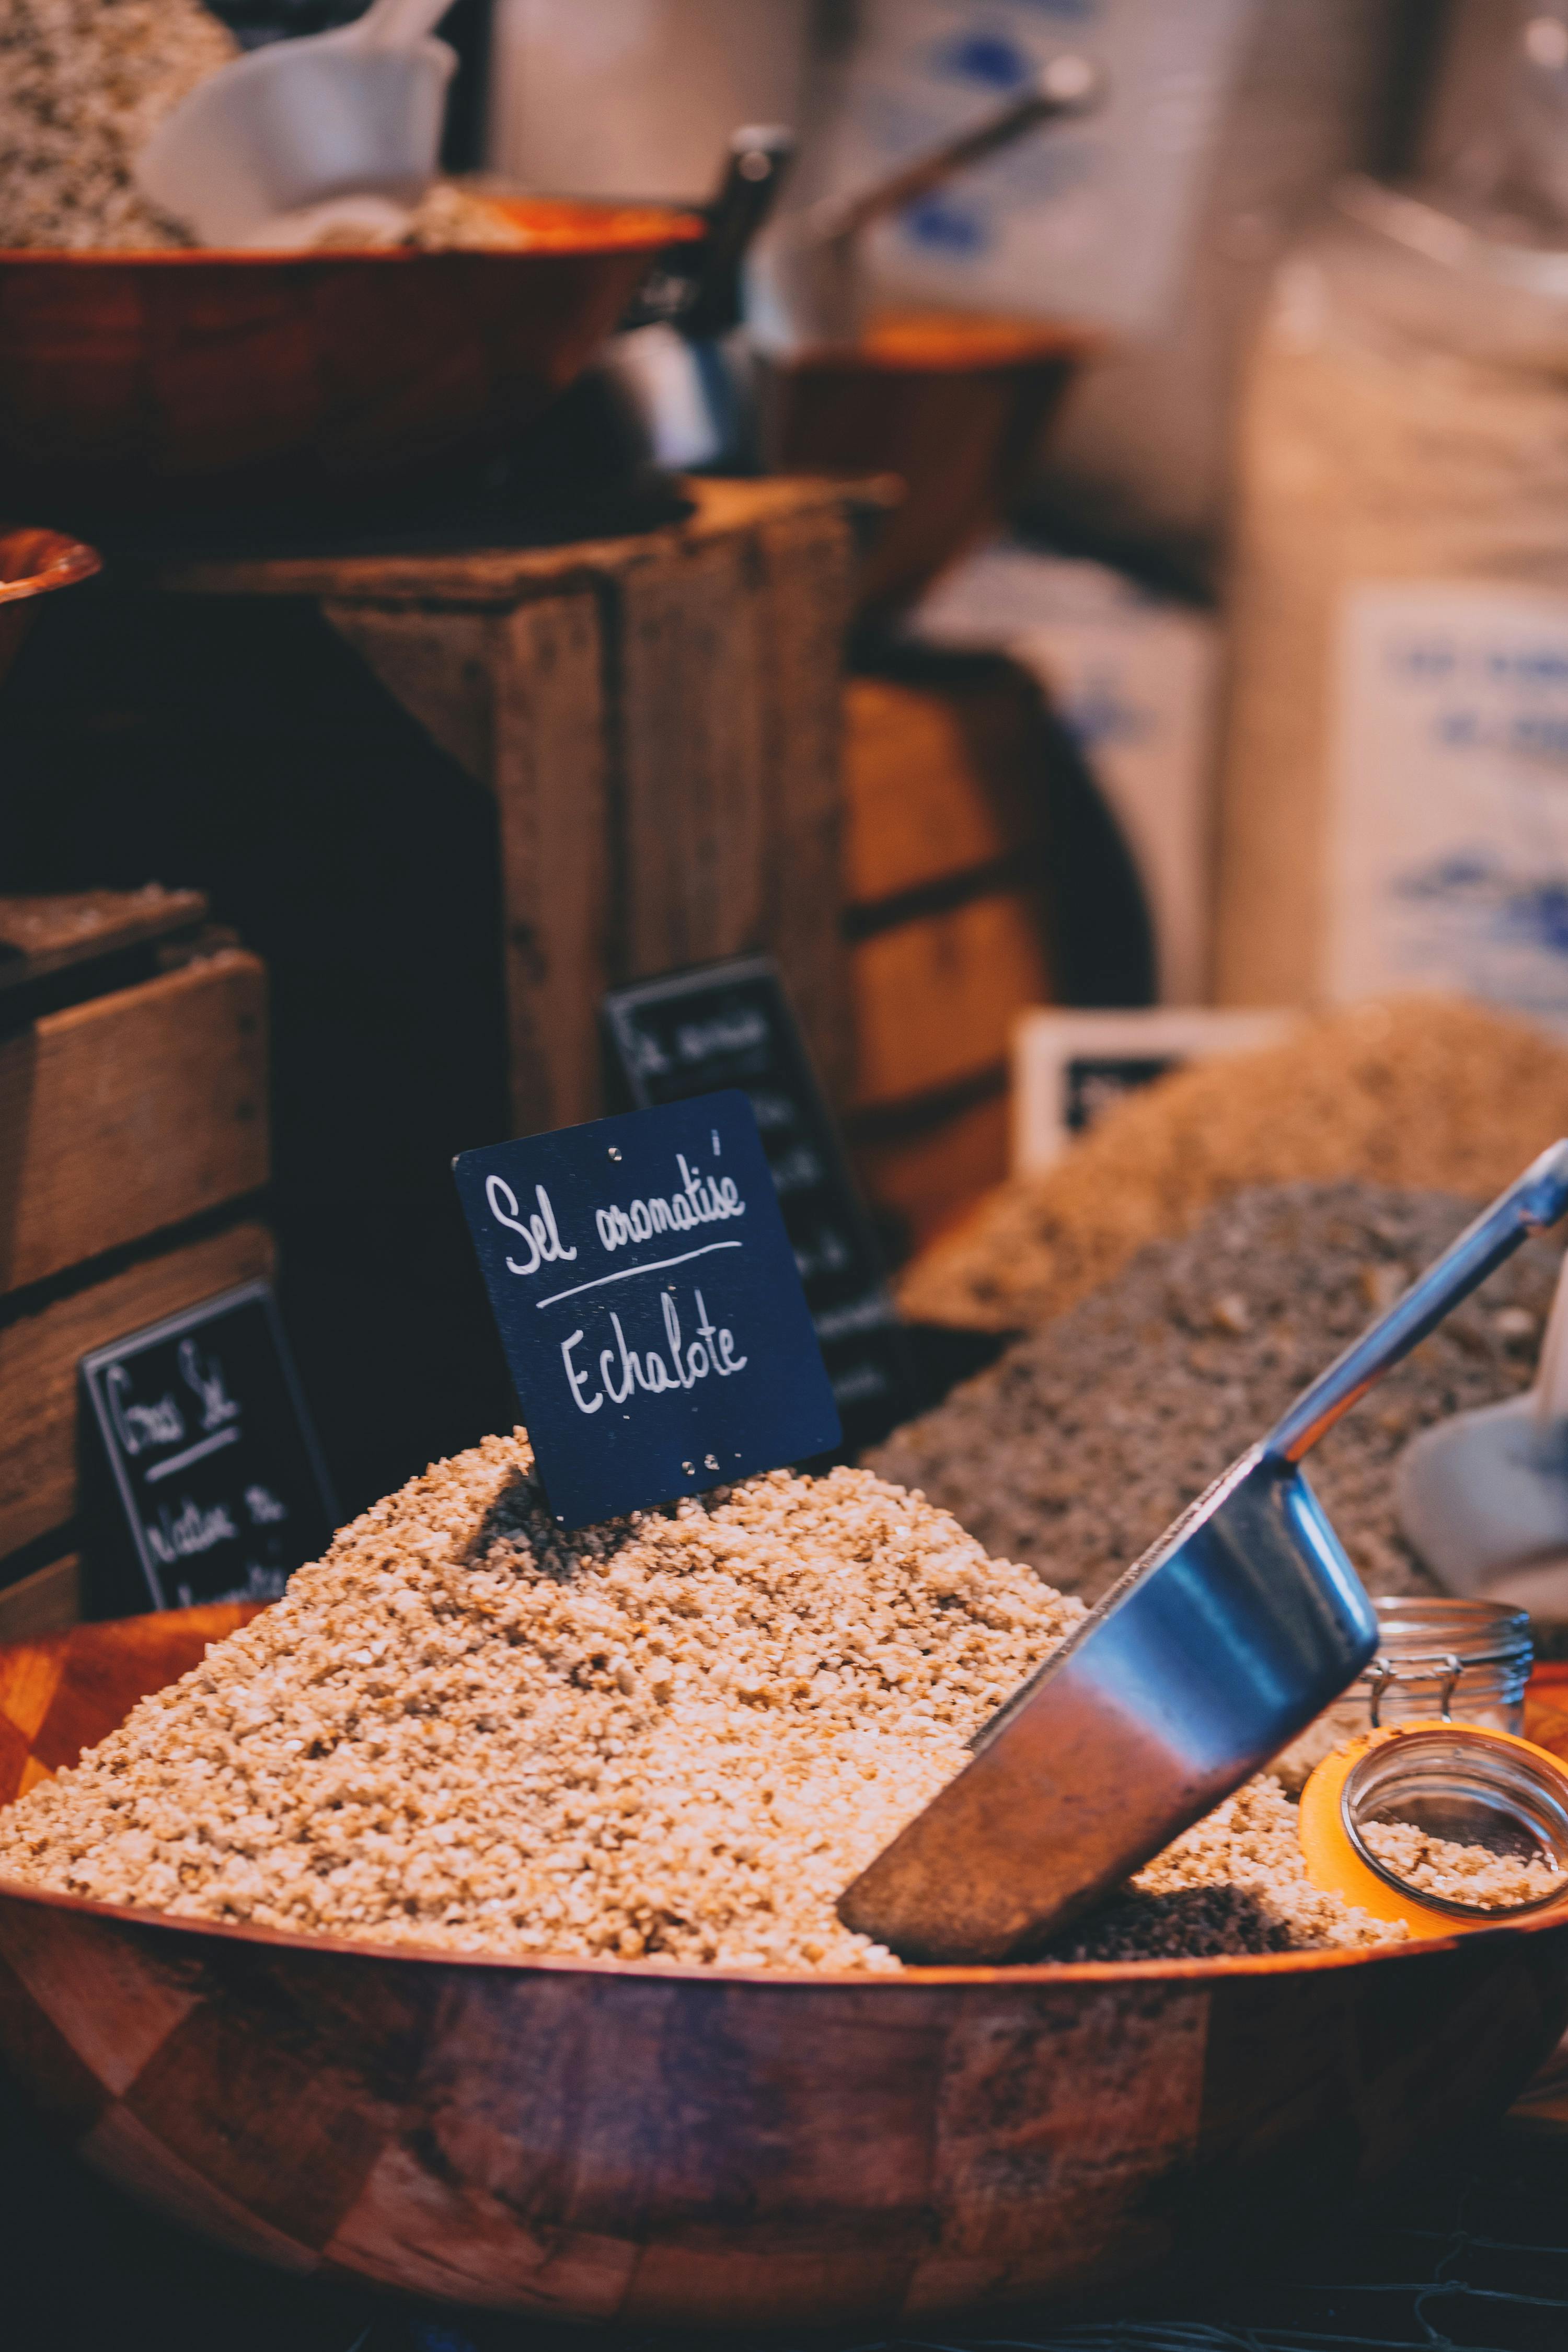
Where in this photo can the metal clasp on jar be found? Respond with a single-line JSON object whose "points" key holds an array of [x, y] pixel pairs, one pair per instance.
{"points": [[1382, 1671]]}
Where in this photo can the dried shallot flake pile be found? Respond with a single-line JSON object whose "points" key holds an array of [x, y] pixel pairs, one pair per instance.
{"points": [[83, 86], [1427, 1093], [676, 1736], [1458, 1872]]}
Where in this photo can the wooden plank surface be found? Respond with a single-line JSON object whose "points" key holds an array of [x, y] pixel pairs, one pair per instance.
{"points": [[806, 564], [551, 776], [131, 1113], [919, 805], [439, 666], [690, 750], [935, 998], [47, 1601], [502, 577], [39, 1353], [46, 934]]}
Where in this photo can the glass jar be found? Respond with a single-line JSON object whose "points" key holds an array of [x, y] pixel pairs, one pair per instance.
{"points": [[1465, 1660]]}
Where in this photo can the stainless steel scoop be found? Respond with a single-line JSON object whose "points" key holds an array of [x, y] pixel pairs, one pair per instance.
{"points": [[1209, 1655], [812, 266]]}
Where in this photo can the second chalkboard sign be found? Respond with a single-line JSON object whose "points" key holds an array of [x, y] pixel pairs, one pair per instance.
{"points": [[729, 1024], [212, 1469]]}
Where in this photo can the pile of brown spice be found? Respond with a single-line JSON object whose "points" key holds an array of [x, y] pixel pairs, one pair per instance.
{"points": [[1083, 1443], [676, 1736], [1423, 1091]]}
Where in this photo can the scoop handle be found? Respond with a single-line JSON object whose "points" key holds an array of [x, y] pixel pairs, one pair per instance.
{"points": [[397, 24], [1536, 1200], [1549, 1394], [1066, 87]]}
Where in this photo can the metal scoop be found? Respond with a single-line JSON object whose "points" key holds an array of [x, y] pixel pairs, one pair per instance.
{"points": [[810, 271], [1483, 1497], [1212, 1652], [338, 130]]}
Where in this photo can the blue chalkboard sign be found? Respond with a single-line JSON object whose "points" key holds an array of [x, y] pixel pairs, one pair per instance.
{"points": [[649, 1306]]}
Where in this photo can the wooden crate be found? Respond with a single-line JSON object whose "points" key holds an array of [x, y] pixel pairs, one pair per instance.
{"points": [[125, 1114], [133, 1131], [658, 719], [941, 864], [40, 1353]]}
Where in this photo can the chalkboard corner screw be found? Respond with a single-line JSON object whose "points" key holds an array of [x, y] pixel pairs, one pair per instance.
{"points": [[614, 1150]]}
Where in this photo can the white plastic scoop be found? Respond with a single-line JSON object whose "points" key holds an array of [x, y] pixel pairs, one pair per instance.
{"points": [[338, 130], [1483, 1497]]}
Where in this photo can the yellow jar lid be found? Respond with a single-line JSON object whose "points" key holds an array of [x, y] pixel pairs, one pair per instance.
{"points": [[1528, 1776]]}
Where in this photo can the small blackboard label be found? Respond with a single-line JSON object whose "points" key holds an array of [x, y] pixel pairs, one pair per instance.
{"points": [[213, 1463], [1093, 1082], [731, 1025], [648, 1304]]}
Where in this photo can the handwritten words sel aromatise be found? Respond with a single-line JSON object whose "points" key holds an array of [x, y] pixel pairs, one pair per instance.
{"points": [[697, 1201]]}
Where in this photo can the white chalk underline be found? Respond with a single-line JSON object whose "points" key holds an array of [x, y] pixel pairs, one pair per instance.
{"points": [[191, 1453], [654, 1265]]}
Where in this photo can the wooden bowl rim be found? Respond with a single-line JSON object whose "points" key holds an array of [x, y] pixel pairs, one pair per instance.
{"points": [[909, 1979], [944, 344], [67, 561], [604, 232]]}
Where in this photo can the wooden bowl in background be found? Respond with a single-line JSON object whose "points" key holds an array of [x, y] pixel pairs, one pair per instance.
{"points": [[956, 406], [138, 383], [33, 564], [674, 2145]]}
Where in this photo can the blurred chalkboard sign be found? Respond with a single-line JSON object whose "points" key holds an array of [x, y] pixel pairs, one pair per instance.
{"points": [[729, 1024], [212, 1486]]}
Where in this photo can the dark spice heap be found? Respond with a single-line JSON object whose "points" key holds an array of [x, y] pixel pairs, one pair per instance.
{"points": [[1084, 1441]]}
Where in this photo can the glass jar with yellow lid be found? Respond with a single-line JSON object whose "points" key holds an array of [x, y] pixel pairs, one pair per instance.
{"points": [[1462, 1660]]}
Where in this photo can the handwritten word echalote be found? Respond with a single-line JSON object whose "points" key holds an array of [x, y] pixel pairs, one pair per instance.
{"points": [[713, 1350]]}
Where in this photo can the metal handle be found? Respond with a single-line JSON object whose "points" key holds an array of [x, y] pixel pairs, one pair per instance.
{"points": [[1067, 86], [759, 158], [1536, 1201], [1550, 1391]]}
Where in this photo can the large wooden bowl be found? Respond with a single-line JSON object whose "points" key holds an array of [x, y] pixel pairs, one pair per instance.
{"points": [[33, 564], [642, 2143], [138, 382]]}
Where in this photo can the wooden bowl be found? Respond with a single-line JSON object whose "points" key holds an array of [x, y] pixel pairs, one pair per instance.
{"points": [[137, 382], [32, 564], [650, 2144], [955, 406]]}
